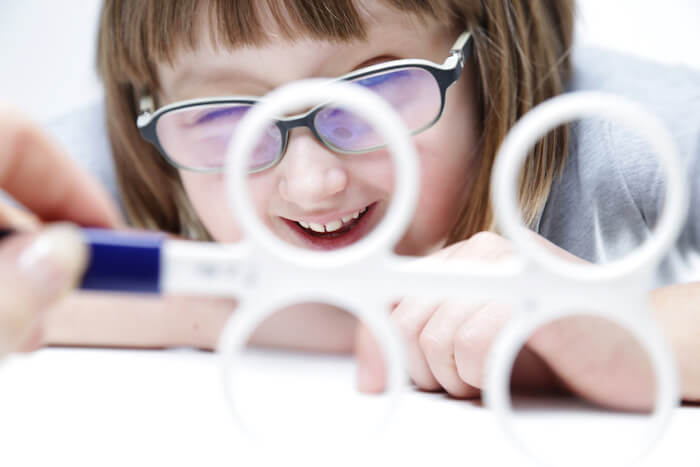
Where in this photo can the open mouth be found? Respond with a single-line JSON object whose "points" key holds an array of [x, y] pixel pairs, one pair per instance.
{"points": [[335, 234]]}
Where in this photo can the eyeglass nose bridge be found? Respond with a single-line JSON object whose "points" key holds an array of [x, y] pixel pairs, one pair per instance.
{"points": [[306, 120]]}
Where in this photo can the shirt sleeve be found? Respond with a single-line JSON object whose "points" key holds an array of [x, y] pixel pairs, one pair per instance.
{"points": [[647, 184]]}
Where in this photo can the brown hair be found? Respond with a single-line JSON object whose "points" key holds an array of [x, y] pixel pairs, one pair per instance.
{"points": [[521, 50]]}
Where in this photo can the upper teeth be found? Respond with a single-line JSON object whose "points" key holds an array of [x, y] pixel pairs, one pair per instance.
{"points": [[332, 226]]}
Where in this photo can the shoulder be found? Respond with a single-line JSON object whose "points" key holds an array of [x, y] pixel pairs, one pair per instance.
{"points": [[671, 93], [611, 189], [605, 70]]}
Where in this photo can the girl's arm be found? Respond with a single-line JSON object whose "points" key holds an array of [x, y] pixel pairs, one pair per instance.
{"points": [[677, 310], [119, 320], [448, 344]]}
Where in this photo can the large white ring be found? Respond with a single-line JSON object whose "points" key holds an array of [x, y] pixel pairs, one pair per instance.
{"points": [[516, 334], [361, 102], [250, 315], [563, 109]]}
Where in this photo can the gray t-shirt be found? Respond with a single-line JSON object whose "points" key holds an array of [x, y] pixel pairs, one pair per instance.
{"points": [[610, 193]]}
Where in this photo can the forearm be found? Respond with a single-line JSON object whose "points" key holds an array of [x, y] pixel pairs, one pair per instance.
{"points": [[116, 320], [677, 310], [139, 321], [312, 327]]}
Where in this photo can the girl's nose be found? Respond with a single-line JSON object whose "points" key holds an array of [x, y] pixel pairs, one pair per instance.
{"points": [[312, 174]]}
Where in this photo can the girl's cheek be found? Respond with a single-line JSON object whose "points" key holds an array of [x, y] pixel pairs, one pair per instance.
{"points": [[207, 194], [444, 182]]}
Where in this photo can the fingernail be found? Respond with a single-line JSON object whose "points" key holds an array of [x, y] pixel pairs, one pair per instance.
{"points": [[54, 260]]}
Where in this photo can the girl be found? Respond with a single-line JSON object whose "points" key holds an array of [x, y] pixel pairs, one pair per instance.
{"points": [[156, 55]]}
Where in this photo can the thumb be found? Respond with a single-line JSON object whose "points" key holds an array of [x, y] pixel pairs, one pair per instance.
{"points": [[371, 369], [35, 271]]}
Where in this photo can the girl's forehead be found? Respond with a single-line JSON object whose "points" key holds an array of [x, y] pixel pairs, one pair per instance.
{"points": [[377, 22], [281, 57], [342, 22], [146, 37]]}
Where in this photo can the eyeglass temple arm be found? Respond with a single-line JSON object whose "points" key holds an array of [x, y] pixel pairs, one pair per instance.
{"points": [[460, 52], [462, 41], [146, 109]]}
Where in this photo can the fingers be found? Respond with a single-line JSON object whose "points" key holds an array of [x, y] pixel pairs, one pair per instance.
{"points": [[371, 369], [43, 179], [35, 271], [410, 317], [442, 351], [473, 341], [19, 219], [437, 342], [429, 331]]}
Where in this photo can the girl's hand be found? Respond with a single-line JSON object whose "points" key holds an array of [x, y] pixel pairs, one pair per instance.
{"points": [[36, 269], [447, 345]]}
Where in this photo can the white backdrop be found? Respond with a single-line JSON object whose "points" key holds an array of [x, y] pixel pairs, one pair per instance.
{"points": [[47, 47]]}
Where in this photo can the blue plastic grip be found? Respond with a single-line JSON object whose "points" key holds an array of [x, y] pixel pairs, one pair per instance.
{"points": [[123, 261]]}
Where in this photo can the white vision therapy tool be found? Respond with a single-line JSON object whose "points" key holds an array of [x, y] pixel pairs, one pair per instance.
{"points": [[379, 276], [264, 274]]}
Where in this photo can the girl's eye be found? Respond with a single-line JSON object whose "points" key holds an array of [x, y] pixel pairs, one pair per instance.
{"points": [[382, 79], [221, 113]]}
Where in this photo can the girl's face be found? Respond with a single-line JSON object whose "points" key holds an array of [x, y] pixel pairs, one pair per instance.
{"points": [[312, 185]]}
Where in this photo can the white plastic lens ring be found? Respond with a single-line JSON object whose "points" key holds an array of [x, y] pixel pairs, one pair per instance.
{"points": [[361, 102], [556, 112], [249, 315], [516, 334]]}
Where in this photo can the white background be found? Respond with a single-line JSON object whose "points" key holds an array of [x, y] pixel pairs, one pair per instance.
{"points": [[47, 47]]}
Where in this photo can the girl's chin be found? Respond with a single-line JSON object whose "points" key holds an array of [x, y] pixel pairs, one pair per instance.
{"points": [[291, 232]]}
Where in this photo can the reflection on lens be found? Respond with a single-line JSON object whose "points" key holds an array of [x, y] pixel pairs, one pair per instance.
{"points": [[295, 382], [411, 92], [198, 136], [345, 131], [268, 149], [583, 392]]}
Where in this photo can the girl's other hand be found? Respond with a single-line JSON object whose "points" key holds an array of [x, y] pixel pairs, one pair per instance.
{"points": [[38, 266], [447, 344]]}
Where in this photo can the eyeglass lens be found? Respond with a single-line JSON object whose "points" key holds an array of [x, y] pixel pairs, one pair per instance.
{"points": [[198, 137]]}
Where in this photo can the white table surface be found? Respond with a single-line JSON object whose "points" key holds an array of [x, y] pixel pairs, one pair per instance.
{"points": [[94, 407]]}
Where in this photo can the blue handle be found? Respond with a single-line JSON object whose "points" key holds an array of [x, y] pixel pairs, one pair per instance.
{"points": [[122, 261]]}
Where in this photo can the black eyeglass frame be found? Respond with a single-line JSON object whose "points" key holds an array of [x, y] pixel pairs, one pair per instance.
{"points": [[445, 75]]}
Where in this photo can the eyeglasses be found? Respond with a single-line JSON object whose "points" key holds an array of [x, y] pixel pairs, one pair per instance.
{"points": [[195, 134]]}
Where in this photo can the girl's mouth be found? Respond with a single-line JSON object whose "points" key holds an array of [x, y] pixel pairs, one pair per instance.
{"points": [[335, 234]]}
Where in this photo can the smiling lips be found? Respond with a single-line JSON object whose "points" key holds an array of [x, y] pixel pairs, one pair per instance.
{"points": [[334, 234]]}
